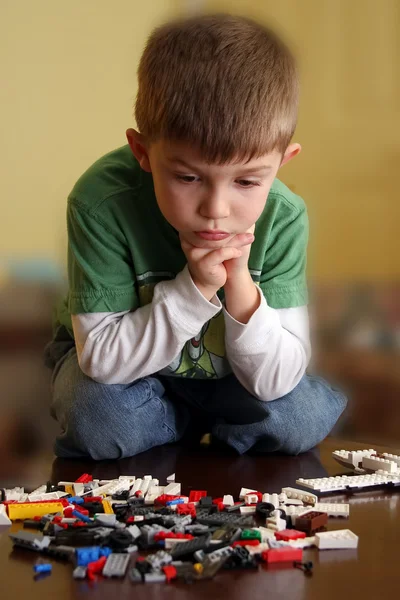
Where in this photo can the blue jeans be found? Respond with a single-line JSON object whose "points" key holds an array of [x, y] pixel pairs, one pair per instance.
{"points": [[116, 421]]}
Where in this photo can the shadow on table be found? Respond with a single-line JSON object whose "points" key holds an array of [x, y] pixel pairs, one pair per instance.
{"points": [[218, 470]]}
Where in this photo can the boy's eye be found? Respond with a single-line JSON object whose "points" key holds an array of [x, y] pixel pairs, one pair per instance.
{"points": [[247, 183], [186, 178]]}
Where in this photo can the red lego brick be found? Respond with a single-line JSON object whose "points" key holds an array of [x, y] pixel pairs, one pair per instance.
{"points": [[170, 572], [217, 501], [83, 511], [164, 498], [85, 478], [246, 543], [186, 509], [163, 535], [95, 567], [285, 554], [88, 499], [289, 534], [195, 495]]}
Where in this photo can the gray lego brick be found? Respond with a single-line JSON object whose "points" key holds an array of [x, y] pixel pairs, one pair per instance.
{"points": [[116, 565]]}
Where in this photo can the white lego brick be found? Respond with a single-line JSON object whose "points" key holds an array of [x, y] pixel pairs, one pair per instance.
{"points": [[296, 494], [4, 520], [136, 487], [293, 502], [43, 497], [61, 494], [101, 490], [228, 500], [130, 478], [69, 520], [171, 477], [245, 491], [376, 479], [171, 542], [251, 498], [154, 486], [266, 534], [393, 457], [122, 485], [118, 486], [342, 482], [374, 463], [275, 522], [352, 459], [42, 543], [260, 547], [173, 488], [296, 511], [333, 510], [79, 488], [339, 539], [144, 486], [272, 499], [247, 510], [307, 542], [151, 496], [108, 489], [17, 494]]}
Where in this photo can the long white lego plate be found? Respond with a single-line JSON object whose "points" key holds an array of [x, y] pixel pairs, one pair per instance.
{"points": [[346, 482]]}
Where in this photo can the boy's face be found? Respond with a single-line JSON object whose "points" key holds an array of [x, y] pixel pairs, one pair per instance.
{"points": [[200, 199]]}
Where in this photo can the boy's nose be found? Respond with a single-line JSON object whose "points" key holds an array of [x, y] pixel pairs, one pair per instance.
{"points": [[215, 206]]}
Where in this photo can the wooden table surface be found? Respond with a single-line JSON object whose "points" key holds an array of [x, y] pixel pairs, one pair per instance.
{"points": [[370, 572]]}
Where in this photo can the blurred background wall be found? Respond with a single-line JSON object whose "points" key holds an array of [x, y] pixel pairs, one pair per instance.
{"points": [[67, 93]]}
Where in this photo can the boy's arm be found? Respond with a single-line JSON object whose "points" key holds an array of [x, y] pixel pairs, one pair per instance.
{"points": [[269, 348], [126, 346], [270, 353]]}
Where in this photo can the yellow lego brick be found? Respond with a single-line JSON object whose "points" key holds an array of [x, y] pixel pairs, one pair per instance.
{"points": [[107, 508], [27, 510], [70, 490], [198, 567]]}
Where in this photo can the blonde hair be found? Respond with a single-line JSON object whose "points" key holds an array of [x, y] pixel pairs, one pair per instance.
{"points": [[226, 84]]}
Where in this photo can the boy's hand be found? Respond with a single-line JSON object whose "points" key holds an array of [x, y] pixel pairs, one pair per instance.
{"points": [[236, 266], [207, 266]]}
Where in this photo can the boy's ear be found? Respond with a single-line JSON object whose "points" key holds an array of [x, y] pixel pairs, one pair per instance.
{"points": [[291, 151], [138, 146]]}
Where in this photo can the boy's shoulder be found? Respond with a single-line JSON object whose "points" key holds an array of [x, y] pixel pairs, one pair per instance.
{"points": [[281, 194], [113, 174]]}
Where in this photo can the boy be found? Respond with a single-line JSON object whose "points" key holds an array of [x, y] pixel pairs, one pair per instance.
{"points": [[187, 257]]}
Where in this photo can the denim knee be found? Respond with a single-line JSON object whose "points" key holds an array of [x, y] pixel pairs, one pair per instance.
{"points": [[293, 424], [316, 407], [114, 421]]}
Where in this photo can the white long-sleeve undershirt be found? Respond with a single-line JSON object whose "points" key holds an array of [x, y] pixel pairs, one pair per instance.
{"points": [[268, 355]]}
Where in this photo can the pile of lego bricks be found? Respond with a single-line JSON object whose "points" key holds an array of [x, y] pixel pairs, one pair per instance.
{"points": [[158, 534]]}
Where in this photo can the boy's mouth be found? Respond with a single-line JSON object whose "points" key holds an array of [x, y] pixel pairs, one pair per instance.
{"points": [[213, 235]]}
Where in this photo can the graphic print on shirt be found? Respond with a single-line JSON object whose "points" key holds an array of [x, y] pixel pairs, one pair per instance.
{"points": [[202, 357]]}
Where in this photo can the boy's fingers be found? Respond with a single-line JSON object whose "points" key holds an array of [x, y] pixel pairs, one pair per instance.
{"points": [[241, 239], [220, 255]]}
